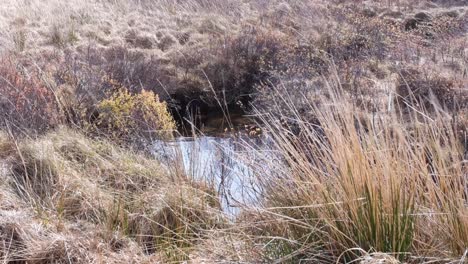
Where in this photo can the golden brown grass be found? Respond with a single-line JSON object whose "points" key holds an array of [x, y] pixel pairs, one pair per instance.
{"points": [[356, 183], [100, 199], [371, 171]]}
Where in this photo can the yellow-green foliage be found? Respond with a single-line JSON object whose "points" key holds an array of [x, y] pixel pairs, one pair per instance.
{"points": [[135, 116]]}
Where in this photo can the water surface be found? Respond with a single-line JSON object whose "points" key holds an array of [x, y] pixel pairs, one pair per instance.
{"points": [[226, 162]]}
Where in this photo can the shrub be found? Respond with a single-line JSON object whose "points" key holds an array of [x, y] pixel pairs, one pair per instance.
{"points": [[135, 69], [61, 37], [424, 89], [92, 100], [134, 117], [80, 87], [26, 99], [229, 70]]}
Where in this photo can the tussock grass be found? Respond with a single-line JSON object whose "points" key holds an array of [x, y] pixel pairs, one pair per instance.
{"points": [[376, 183], [77, 185], [371, 171]]}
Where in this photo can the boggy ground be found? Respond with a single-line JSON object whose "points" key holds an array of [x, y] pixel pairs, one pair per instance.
{"points": [[207, 55], [365, 102]]}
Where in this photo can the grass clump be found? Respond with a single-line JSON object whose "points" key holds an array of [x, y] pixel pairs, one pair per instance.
{"points": [[20, 40], [172, 226], [69, 179], [367, 183]]}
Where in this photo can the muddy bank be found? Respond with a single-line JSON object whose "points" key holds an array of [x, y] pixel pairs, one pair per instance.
{"points": [[194, 115]]}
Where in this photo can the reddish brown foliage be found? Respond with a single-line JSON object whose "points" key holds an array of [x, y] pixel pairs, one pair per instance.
{"points": [[26, 101]]}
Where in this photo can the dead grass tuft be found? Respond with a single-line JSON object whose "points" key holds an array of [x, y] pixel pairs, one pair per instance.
{"points": [[354, 181], [75, 184]]}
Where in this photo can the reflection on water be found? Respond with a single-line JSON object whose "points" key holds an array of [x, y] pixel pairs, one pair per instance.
{"points": [[225, 162]]}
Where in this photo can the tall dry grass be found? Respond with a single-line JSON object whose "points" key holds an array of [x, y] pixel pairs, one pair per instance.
{"points": [[65, 198], [352, 178], [355, 184]]}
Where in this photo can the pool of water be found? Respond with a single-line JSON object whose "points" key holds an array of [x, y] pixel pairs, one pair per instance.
{"points": [[225, 162]]}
